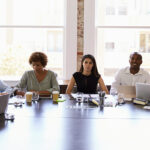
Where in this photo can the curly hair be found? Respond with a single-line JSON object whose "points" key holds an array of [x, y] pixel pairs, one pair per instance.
{"points": [[38, 57]]}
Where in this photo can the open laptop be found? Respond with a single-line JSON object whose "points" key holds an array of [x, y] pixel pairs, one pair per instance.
{"points": [[143, 91], [128, 91]]}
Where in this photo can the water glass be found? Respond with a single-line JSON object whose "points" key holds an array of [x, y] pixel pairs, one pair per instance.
{"points": [[35, 96], [113, 92], [79, 97], [20, 98], [120, 98]]}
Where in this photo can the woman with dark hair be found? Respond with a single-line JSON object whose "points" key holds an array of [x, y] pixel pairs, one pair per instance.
{"points": [[87, 78], [39, 79]]}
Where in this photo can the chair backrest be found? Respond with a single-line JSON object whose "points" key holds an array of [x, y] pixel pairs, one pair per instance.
{"points": [[108, 87], [64, 87], [74, 90]]}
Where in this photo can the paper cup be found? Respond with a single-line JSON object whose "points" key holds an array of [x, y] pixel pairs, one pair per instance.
{"points": [[55, 95], [28, 97]]}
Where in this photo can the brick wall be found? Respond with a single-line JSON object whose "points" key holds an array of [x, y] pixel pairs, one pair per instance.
{"points": [[80, 32]]}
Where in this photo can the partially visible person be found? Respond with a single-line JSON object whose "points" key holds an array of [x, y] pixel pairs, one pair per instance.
{"points": [[87, 78], [39, 79], [132, 74], [4, 88]]}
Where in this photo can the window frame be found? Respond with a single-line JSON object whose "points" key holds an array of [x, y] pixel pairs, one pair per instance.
{"points": [[90, 40], [69, 37]]}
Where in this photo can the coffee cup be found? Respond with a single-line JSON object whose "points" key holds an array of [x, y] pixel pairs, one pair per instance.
{"points": [[55, 95], [28, 97]]}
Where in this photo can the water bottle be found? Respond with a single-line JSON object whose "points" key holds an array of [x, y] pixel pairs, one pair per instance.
{"points": [[102, 97]]}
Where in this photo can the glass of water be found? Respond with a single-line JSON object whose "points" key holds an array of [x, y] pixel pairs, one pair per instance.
{"points": [[35, 96], [19, 99], [79, 97], [113, 92]]}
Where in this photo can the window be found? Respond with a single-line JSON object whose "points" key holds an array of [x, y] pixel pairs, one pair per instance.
{"points": [[109, 46], [144, 42], [30, 25], [120, 27]]}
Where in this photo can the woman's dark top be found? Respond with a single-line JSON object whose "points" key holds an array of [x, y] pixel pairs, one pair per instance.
{"points": [[86, 84]]}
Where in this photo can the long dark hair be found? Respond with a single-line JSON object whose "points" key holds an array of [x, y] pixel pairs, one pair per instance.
{"points": [[94, 69]]}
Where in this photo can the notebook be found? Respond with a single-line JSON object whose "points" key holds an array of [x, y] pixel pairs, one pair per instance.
{"points": [[143, 91], [3, 102], [128, 91]]}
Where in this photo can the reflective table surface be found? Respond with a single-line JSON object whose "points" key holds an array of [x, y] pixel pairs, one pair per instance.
{"points": [[70, 125]]}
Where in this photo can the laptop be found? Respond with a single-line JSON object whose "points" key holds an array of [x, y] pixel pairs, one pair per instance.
{"points": [[4, 97], [143, 91], [128, 91]]}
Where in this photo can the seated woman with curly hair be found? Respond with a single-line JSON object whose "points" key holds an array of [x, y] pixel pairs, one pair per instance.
{"points": [[39, 79]]}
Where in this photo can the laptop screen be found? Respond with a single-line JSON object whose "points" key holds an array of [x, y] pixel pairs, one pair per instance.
{"points": [[143, 91], [128, 91]]}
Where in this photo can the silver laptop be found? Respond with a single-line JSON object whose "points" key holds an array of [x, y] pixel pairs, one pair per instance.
{"points": [[143, 91], [128, 91]]}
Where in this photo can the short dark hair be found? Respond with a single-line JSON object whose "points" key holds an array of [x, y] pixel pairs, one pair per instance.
{"points": [[136, 53], [94, 69], [38, 57]]}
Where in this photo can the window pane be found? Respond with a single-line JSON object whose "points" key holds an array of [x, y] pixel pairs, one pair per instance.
{"points": [[32, 12], [123, 12], [16, 45], [115, 45]]}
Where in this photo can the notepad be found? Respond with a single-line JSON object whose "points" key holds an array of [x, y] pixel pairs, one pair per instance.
{"points": [[140, 101]]}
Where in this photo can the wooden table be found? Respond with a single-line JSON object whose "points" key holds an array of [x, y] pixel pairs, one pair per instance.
{"points": [[72, 126]]}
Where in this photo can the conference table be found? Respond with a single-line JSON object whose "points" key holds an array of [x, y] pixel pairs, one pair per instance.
{"points": [[69, 125]]}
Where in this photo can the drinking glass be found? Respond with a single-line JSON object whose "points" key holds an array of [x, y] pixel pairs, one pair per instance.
{"points": [[79, 97], [35, 96], [19, 99], [121, 98], [113, 92]]}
